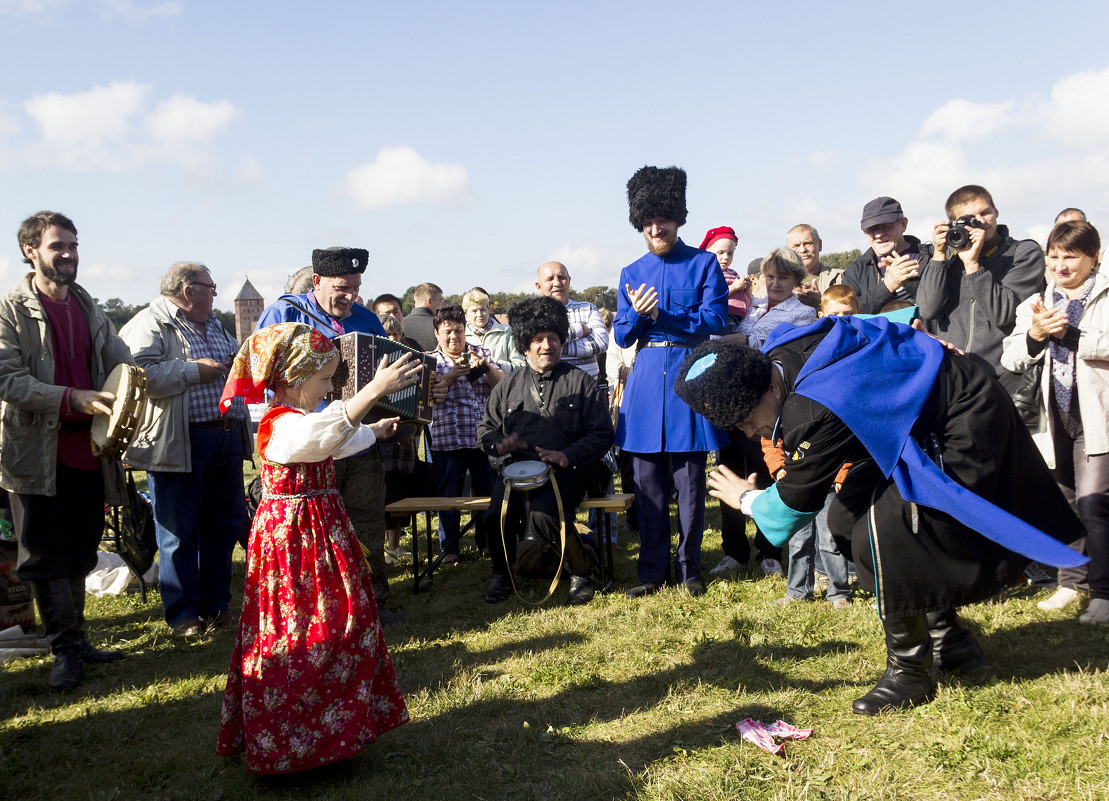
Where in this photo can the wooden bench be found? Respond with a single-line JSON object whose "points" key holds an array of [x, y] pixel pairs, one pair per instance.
{"points": [[412, 507], [620, 502], [421, 579]]}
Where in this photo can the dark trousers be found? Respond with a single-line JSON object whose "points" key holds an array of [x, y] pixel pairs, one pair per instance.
{"points": [[536, 509], [451, 468], [744, 456], [653, 474], [58, 536], [1084, 481], [360, 480]]}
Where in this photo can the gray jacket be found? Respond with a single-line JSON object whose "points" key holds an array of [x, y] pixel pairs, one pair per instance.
{"points": [[161, 443], [976, 312], [30, 401]]}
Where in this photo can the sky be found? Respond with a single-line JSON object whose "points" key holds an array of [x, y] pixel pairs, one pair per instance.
{"points": [[466, 143]]}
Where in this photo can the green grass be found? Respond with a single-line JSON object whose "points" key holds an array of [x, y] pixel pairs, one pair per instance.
{"points": [[619, 699]]}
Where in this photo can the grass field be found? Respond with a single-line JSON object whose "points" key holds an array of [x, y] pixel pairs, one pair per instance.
{"points": [[619, 699]]}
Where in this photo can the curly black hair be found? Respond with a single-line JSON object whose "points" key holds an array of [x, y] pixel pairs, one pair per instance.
{"points": [[532, 316], [448, 313], [729, 389]]}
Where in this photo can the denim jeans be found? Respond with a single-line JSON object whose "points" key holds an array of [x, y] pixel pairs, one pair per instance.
{"points": [[198, 518], [803, 546], [451, 468]]}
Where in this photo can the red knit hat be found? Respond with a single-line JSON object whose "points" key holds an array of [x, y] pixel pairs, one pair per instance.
{"points": [[723, 232]]}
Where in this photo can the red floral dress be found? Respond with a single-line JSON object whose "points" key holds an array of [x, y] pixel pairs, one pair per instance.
{"points": [[311, 681]]}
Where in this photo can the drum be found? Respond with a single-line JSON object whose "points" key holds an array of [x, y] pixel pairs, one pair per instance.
{"points": [[112, 433], [527, 475]]}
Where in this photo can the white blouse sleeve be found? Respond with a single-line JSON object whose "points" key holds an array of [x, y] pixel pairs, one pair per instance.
{"points": [[314, 437]]}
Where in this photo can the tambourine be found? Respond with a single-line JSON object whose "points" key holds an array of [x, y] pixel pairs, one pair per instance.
{"points": [[527, 475], [112, 433]]}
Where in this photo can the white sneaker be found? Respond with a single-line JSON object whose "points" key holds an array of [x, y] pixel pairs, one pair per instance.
{"points": [[1063, 597], [771, 567], [727, 566], [820, 583]]}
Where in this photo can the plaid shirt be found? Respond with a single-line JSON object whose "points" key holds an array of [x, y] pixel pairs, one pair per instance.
{"points": [[582, 351], [213, 342], [454, 421]]}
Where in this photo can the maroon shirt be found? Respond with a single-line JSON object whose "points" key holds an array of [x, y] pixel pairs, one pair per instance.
{"points": [[72, 346]]}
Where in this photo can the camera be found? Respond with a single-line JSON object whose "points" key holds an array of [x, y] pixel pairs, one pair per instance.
{"points": [[957, 235]]}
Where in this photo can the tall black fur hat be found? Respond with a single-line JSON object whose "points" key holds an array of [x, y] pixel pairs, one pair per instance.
{"points": [[724, 382], [532, 316], [337, 261], [654, 192]]}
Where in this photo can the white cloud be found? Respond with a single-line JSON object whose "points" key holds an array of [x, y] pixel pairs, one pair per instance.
{"points": [[962, 120], [917, 176], [133, 12], [88, 125], [128, 9], [400, 175], [99, 128], [28, 7], [1078, 112], [1002, 146], [182, 119]]}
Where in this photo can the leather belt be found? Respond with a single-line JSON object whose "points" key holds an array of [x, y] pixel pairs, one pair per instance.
{"points": [[668, 343], [226, 424]]}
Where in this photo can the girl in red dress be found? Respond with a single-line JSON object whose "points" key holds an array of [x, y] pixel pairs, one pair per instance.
{"points": [[311, 681]]}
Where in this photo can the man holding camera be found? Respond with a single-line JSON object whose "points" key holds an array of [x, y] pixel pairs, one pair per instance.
{"points": [[970, 298]]}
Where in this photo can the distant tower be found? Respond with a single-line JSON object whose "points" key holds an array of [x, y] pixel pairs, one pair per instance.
{"points": [[248, 308]]}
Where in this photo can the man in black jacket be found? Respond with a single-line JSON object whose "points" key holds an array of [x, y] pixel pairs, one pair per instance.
{"points": [[554, 413], [890, 268]]}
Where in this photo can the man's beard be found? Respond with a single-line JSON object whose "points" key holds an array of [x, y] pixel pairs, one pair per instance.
{"points": [[660, 250], [61, 279]]}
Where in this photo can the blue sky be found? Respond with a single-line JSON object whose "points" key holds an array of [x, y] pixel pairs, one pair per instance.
{"points": [[467, 142]]}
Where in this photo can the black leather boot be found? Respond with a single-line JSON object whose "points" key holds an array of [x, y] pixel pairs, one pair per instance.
{"points": [[59, 622], [89, 655], [906, 681], [954, 649]]}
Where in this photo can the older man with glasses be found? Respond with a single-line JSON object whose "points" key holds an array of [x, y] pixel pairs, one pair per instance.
{"points": [[193, 455]]}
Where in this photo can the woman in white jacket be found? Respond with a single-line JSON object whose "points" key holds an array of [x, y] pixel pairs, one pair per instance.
{"points": [[1067, 329]]}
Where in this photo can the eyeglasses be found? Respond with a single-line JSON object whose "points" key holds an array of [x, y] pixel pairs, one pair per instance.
{"points": [[212, 287]]}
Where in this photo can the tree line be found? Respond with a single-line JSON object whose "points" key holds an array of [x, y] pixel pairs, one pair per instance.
{"points": [[603, 297]]}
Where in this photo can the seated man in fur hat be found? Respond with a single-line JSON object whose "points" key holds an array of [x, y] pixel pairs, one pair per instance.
{"points": [[670, 301], [945, 503], [554, 413]]}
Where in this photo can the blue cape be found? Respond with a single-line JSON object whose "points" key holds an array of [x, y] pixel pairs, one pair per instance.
{"points": [[894, 368]]}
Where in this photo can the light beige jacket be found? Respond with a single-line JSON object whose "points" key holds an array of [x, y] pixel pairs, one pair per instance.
{"points": [[30, 401]]}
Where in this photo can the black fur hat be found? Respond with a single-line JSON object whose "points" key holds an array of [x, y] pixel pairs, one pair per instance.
{"points": [[654, 192], [726, 387], [532, 316], [332, 262]]}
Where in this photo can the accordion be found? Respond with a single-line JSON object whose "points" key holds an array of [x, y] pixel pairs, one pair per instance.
{"points": [[359, 355]]}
